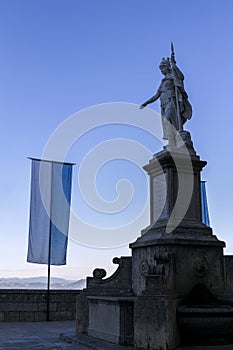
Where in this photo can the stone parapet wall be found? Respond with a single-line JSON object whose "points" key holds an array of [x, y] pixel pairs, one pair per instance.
{"points": [[31, 305]]}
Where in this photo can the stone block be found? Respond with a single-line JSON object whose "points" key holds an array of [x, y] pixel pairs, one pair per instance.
{"points": [[29, 307], [5, 307], [41, 307], [155, 324], [27, 316], [11, 316], [111, 319], [52, 306], [60, 307], [61, 297], [69, 306], [58, 316], [3, 297], [104, 320], [82, 313], [40, 316]]}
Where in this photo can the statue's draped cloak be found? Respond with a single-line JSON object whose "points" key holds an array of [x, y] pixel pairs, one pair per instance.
{"points": [[168, 95]]}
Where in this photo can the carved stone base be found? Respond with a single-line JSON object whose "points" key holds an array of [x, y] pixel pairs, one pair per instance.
{"points": [[154, 320], [177, 263], [111, 319]]}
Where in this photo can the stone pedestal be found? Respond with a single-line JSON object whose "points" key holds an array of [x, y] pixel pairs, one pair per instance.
{"points": [[175, 253], [176, 239], [175, 193]]}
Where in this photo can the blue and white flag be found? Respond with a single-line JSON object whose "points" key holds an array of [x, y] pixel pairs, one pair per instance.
{"points": [[204, 205], [49, 212]]}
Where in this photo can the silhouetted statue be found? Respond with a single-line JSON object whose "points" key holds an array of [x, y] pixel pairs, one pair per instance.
{"points": [[175, 107]]}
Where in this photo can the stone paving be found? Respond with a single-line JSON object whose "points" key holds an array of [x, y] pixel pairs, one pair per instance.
{"points": [[61, 336], [58, 335], [36, 336]]}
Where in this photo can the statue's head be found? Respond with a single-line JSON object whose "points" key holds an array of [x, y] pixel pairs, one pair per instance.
{"points": [[165, 66]]}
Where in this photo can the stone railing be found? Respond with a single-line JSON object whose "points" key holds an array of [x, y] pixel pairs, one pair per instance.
{"points": [[31, 305]]}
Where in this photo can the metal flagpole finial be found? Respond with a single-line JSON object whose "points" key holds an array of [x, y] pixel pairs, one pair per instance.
{"points": [[172, 53]]}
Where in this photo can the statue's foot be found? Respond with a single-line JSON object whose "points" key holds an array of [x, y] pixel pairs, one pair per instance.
{"points": [[183, 139]]}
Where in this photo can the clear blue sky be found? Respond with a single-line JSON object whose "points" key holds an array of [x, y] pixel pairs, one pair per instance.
{"points": [[59, 57]]}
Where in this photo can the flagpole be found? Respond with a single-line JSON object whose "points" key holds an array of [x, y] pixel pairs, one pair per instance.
{"points": [[34, 230], [49, 252], [48, 293], [180, 124]]}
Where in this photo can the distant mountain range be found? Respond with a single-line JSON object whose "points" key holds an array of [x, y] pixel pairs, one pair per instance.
{"points": [[41, 283]]}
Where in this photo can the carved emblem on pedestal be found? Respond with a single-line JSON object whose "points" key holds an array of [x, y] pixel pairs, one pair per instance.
{"points": [[200, 267], [144, 268]]}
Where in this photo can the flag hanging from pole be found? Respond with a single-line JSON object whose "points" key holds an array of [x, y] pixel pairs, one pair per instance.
{"points": [[204, 205], [49, 212]]}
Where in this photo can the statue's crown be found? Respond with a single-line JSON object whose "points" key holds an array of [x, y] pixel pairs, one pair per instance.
{"points": [[165, 62]]}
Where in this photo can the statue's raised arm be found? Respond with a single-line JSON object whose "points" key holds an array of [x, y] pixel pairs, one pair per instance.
{"points": [[175, 107]]}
